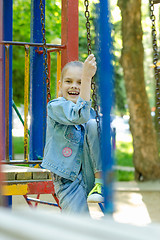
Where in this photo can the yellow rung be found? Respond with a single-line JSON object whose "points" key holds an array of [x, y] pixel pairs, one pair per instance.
{"points": [[26, 93], [15, 189], [58, 70]]}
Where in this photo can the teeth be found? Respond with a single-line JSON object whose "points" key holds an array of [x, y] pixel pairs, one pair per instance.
{"points": [[74, 93]]}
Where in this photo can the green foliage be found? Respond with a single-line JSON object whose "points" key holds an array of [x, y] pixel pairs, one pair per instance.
{"points": [[21, 32], [21, 20], [53, 35], [83, 53], [53, 21], [148, 49], [119, 86]]}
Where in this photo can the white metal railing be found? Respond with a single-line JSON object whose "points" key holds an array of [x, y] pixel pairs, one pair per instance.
{"points": [[29, 224]]}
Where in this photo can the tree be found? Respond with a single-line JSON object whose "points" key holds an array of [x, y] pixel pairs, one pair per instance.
{"points": [[145, 156]]}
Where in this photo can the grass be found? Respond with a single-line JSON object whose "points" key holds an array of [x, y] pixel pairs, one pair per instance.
{"points": [[124, 176], [18, 145], [123, 157], [123, 154]]}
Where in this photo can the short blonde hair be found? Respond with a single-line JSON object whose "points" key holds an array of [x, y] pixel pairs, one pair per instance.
{"points": [[70, 64]]}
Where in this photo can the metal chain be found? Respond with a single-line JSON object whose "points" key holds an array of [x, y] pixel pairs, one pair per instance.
{"points": [[93, 85], [155, 56], [46, 78]]}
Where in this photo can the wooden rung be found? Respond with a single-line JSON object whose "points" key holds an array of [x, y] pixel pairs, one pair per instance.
{"points": [[25, 173]]}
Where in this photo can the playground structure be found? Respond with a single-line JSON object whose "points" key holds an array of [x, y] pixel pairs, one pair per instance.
{"points": [[38, 85], [38, 93]]}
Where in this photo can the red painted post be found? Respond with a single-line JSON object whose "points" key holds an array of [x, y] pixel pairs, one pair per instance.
{"points": [[2, 118], [69, 30]]}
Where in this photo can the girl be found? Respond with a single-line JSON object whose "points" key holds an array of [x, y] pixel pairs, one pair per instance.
{"points": [[72, 146]]}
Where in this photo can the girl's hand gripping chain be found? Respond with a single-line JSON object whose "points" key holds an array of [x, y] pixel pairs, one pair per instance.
{"points": [[89, 70], [89, 67]]}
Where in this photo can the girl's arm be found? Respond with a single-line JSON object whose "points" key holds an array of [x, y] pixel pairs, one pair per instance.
{"points": [[69, 113], [89, 70]]}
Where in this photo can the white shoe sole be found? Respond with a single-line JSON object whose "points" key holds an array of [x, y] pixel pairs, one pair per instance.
{"points": [[95, 198]]}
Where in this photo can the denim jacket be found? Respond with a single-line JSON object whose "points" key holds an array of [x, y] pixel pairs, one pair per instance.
{"points": [[64, 137]]}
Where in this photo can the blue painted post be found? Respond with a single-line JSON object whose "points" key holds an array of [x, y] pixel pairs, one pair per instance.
{"points": [[105, 79], [37, 87], [7, 36]]}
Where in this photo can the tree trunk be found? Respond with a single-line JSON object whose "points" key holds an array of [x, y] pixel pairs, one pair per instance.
{"points": [[145, 157]]}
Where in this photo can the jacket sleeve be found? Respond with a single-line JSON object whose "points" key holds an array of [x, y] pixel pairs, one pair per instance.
{"points": [[68, 113]]}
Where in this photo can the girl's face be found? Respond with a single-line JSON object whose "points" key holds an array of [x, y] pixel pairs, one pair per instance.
{"points": [[71, 83]]}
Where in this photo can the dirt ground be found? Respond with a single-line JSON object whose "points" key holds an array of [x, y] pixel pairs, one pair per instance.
{"points": [[130, 207], [134, 208], [137, 208]]}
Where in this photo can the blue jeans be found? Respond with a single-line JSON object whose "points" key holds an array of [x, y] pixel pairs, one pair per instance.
{"points": [[72, 195]]}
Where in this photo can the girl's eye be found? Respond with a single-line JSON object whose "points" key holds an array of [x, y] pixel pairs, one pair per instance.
{"points": [[68, 81]]}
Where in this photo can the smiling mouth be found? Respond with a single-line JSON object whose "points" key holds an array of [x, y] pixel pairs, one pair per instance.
{"points": [[73, 93]]}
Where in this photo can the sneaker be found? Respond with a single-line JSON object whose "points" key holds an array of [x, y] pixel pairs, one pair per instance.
{"points": [[95, 195]]}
